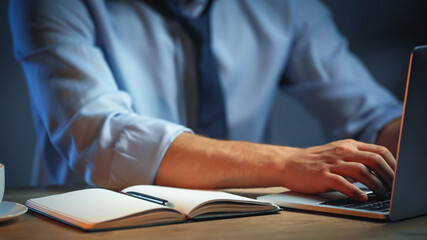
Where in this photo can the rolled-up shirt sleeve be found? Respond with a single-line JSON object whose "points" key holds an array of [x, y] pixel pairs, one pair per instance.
{"points": [[88, 119], [331, 82]]}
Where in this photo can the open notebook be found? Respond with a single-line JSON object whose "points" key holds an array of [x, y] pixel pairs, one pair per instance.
{"points": [[96, 208]]}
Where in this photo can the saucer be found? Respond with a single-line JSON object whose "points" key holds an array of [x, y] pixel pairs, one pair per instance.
{"points": [[9, 210]]}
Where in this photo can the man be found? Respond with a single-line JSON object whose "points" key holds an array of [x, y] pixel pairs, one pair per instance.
{"points": [[118, 87]]}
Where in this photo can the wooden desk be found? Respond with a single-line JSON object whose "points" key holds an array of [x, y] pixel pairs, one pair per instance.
{"points": [[284, 225]]}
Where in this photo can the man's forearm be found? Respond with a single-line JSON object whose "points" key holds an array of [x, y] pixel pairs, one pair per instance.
{"points": [[194, 161], [389, 136]]}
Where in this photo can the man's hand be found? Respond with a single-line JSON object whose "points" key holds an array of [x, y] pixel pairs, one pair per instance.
{"points": [[193, 161], [323, 168]]}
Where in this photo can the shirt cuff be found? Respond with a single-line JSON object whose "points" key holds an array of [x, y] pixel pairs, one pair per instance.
{"points": [[140, 149]]}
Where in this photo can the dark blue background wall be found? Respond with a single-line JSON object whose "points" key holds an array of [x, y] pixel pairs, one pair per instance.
{"points": [[17, 136], [381, 33]]}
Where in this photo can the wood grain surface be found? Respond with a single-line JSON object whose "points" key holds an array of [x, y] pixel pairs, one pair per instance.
{"points": [[288, 224]]}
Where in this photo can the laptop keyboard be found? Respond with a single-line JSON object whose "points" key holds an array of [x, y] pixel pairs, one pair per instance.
{"points": [[374, 203]]}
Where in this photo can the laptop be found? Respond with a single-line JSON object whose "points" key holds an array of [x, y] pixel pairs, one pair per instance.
{"points": [[409, 192]]}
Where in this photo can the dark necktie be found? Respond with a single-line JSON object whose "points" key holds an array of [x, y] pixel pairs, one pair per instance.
{"points": [[211, 110]]}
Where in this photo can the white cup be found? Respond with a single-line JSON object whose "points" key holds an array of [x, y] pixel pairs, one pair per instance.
{"points": [[1, 182]]}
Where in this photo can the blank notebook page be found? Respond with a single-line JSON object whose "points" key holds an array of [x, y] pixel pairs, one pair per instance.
{"points": [[94, 205]]}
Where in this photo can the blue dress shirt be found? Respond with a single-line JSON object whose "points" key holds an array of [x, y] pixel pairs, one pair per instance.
{"points": [[111, 81]]}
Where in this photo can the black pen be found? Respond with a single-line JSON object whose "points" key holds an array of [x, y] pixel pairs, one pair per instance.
{"points": [[150, 198]]}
